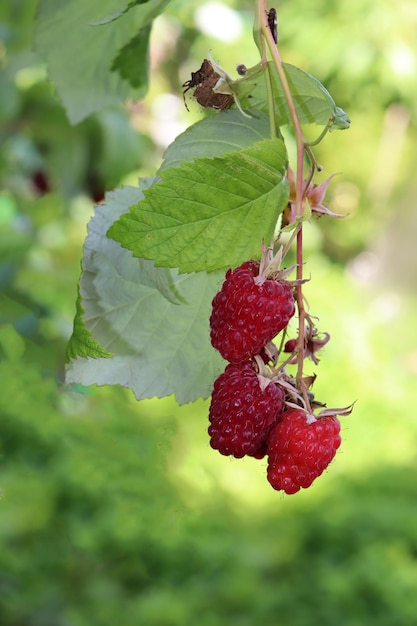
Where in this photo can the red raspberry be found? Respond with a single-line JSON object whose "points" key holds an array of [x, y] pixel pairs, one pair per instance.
{"points": [[299, 452], [248, 313], [262, 450], [241, 413]]}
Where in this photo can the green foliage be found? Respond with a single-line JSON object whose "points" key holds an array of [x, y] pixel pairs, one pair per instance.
{"points": [[112, 508], [120, 12], [212, 210], [126, 61], [313, 103], [154, 321], [217, 196], [209, 213], [86, 158], [82, 342], [92, 519], [226, 132], [95, 45]]}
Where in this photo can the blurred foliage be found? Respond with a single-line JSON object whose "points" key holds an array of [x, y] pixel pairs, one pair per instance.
{"points": [[115, 510], [92, 526]]}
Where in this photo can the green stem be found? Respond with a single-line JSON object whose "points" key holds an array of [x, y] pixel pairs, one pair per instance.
{"points": [[257, 28], [299, 138], [271, 106], [260, 42], [320, 137], [261, 19]]}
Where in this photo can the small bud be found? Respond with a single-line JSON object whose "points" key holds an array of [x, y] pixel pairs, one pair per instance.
{"points": [[290, 345]]}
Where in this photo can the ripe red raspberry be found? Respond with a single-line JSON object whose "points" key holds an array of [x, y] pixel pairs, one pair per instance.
{"points": [[241, 413], [299, 452], [248, 312]]}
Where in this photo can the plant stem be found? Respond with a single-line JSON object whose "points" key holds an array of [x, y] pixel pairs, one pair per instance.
{"points": [[260, 42], [261, 20], [299, 137], [271, 107]]}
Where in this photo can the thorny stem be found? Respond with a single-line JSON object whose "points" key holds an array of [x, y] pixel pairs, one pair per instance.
{"points": [[261, 20]]}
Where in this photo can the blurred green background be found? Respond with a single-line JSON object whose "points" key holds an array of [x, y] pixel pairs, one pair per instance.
{"points": [[115, 511]]}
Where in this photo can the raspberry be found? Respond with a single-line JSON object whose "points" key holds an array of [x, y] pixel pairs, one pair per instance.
{"points": [[248, 313], [299, 452], [261, 451], [241, 413]]}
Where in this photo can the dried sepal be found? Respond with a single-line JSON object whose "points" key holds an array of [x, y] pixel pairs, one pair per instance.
{"points": [[332, 412]]}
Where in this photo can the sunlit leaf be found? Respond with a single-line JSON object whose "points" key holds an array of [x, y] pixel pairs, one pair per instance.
{"points": [[209, 213], [226, 132], [80, 55]]}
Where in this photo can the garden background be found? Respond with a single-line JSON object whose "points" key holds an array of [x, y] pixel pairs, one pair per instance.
{"points": [[118, 511]]}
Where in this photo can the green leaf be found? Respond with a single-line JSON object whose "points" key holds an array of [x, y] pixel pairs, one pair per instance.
{"points": [[82, 342], [80, 56], [160, 346], [128, 61], [114, 16], [313, 102], [228, 131], [311, 98], [209, 213]]}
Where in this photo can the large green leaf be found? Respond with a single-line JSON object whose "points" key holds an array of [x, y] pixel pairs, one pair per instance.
{"points": [[227, 131], [209, 213], [153, 321], [80, 55]]}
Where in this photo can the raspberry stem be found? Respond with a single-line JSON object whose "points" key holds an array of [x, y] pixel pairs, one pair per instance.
{"points": [[301, 317], [299, 137], [301, 148], [260, 42]]}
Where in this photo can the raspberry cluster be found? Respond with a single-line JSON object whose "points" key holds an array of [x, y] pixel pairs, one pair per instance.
{"points": [[249, 412]]}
